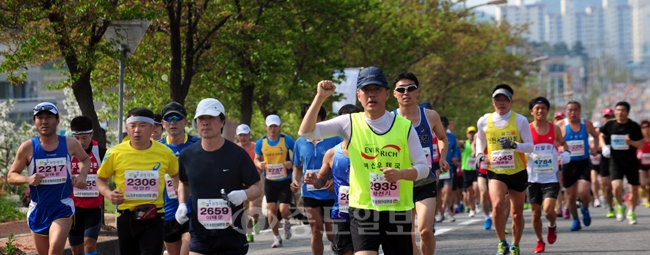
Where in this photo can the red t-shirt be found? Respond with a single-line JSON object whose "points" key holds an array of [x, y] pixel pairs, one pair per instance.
{"points": [[89, 197], [643, 154]]}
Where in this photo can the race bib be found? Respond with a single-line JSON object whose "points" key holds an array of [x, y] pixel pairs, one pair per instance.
{"points": [[577, 147], [595, 160], [484, 165], [502, 159], [309, 186], [141, 184], [214, 213], [54, 170], [445, 175], [91, 187], [427, 153], [618, 142], [645, 159], [434, 153], [383, 192], [471, 162], [344, 194], [543, 163], [171, 193], [275, 171]]}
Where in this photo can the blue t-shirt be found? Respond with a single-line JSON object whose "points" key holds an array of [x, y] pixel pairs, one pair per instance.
{"points": [[171, 204], [310, 157], [454, 151], [341, 175], [55, 165], [288, 142], [575, 140]]}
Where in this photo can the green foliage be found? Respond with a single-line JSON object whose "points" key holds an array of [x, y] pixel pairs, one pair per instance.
{"points": [[10, 249], [9, 212], [108, 206]]}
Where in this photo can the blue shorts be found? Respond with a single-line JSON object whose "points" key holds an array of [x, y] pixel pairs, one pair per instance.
{"points": [[41, 217]]}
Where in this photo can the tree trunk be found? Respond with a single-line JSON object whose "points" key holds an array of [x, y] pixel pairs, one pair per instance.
{"points": [[246, 103], [175, 75], [83, 93]]}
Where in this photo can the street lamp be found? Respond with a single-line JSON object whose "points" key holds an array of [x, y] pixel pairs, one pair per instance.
{"points": [[127, 34]]}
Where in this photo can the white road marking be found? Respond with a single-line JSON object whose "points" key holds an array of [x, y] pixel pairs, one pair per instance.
{"points": [[465, 223]]}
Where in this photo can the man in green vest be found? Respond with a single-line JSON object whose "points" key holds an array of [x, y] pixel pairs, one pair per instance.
{"points": [[382, 166], [470, 175]]}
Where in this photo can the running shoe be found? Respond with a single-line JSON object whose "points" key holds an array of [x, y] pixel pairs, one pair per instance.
{"points": [[488, 224], [586, 218], [287, 230], [503, 248], [514, 249], [256, 228], [461, 207], [457, 209], [611, 214], [567, 214], [277, 243], [631, 216], [552, 235], [576, 225], [249, 238], [526, 206], [440, 217], [540, 246], [507, 231], [471, 213], [596, 203], [478, 208], [620, 213], [559, 212], [450, 217]]}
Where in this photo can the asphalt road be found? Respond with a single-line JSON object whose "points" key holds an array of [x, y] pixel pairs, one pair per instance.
{"points": [[467, 236]]}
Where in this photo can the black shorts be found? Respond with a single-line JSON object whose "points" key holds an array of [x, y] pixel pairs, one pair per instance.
{"points": [[457, 183], [574, 171], [342, 237], [88, 223], [423, 192], [537, 192], [325, 205], [390, 229], [174, 230], [604, 166], [278, 191], [226, 243], [644, 168], [469, 178], [630, 172], [482, 175], [140, 237], [517, 182]]}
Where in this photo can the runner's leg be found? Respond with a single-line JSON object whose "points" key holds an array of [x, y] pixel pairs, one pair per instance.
{"points": [[426, 213], [517, 200], [617, 190], [315, 218], [549, 205], [498, 191], [42, 243], [606, 186], [537, 220], [58, 235], [583, 191], [273, 221], [571, 197]]}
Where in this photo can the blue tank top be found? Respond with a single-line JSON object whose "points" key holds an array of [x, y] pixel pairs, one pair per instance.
{"points": [[55, 166], [341, 175], [171, 204], [426, 141], [578, 142]]}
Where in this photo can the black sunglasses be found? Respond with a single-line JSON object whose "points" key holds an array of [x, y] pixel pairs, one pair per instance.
{"points": [[410, 88], [40, 108]]}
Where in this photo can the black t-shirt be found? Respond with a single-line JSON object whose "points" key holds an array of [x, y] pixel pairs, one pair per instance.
{"points": [[623, 158], [230, 168]]}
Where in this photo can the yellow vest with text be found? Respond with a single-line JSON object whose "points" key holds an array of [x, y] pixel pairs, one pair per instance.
{"points": [[275, 154], [511, 132]]}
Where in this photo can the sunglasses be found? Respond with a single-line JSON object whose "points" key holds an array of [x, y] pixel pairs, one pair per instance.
{"points": [[410, 88], [38, 109], [173, 117], [645, 126]]}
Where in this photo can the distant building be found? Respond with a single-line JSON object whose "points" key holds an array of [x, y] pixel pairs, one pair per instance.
{"points": [[641, 30]]}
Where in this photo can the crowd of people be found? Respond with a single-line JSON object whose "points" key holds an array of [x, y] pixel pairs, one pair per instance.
{"points": [[366, 176]]}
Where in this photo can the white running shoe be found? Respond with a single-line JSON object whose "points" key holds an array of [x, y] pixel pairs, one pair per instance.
{"points": [[596, 202], [287, 230], [478, 208], [439, 218], [277, 243], [471, 213], [450, 217]]}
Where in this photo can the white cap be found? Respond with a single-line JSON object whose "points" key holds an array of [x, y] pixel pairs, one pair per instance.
{"points": [[272, 120], [243, 129], [209, 106]]}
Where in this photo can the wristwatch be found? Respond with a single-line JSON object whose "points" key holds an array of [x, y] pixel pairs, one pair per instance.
{"points": [[514, 146]]}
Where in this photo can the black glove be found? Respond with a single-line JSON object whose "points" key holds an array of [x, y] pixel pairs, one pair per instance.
{"points": [[479, 158], [507, 144]]}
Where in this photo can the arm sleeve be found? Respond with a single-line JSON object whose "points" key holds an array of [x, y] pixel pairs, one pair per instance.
{"points": [[481, 140], [418, 159], [527, 145], [106, 170], [249, 174], [297, 161], [339, 126], [258, 147], [182, 175]]}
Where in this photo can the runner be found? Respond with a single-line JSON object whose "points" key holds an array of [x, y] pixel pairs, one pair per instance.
{"points": [[453, 155], [595, 166], [209, 170], [317, 202], [543, 175], [336, 164], [424, 191], [138, 168], [272, 154], [644, 154], [158, 130], [87, 202], [470, 176], [253, 208], [605, 179], [559, 121], [622, 135], [507, 137], [174, 120], [383, 167], [47, 158], [576, 174]]}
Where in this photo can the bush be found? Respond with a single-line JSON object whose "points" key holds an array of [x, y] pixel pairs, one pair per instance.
{"points": [[108, 206], [9, 212]]}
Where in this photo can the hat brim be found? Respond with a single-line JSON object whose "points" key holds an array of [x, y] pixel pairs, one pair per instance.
{"points": [[176, 112], [213, 113], [372, 83]]}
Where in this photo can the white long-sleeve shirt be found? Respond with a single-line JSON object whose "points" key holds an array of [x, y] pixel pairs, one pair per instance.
{"points": [[500, 121], [342, 126]]}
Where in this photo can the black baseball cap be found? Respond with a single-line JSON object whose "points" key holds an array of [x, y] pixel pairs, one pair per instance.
{"points": [[174, 107], [157, 119], [372, 75]]}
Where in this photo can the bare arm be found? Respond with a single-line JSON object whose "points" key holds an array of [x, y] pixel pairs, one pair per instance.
{"points": [[443, 143], [116, 197], [23, 155], [601, 139], [559, 138], [183, 191], [259, 162], [254, 191], [297, 178], [325, 171], [75, 149], [592, 131]]}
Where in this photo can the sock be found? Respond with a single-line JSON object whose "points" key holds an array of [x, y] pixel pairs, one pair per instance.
{"points": [[91, 253], [502, 241], [554, 225], [541, 240], [278, 237]]}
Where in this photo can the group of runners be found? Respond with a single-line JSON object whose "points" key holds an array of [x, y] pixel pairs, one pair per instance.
{"points": [[366, 177]]}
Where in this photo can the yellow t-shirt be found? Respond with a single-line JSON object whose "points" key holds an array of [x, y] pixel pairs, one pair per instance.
{"points": [[139, 174]]}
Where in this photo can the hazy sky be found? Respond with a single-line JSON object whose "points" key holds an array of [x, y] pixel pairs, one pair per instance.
{"points": [[491, 9]]}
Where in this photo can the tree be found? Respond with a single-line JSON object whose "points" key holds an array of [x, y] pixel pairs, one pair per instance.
{"points": [[38, 31]]}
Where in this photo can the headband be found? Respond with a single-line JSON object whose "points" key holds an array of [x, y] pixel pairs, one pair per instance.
{"points": [[81, 132], [132, 119]]}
